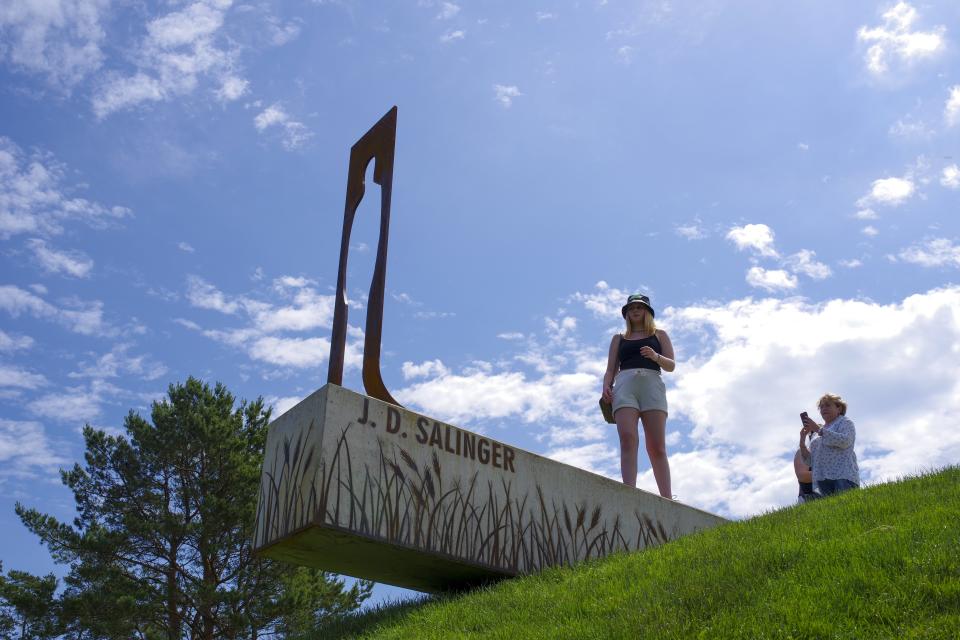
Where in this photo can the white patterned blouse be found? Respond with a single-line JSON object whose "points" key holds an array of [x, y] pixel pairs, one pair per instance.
{"points": [[831, 454]]}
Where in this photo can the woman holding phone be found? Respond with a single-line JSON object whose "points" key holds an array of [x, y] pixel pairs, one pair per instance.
{"points": [[632, 383], [830, 454]]}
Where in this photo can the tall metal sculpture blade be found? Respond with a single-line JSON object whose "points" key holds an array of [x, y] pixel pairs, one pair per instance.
{"points": [[376, 144]]}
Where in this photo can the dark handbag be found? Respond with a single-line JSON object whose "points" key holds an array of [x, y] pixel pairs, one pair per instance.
{"points": [[606, 409]]}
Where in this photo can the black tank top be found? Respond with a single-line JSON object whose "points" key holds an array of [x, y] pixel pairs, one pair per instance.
{"points": [[629, 353]]}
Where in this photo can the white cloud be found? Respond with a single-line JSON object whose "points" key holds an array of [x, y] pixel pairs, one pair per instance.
{"points": [[950, 177], [188, 25], [891, 192], [480, 395], [692, 231], [756, 237], [558, 398], [272, 115], [204, 295], [10, 343], [263, 338], [232, 88], [118, 362], [34, 198], [803, 146], [59, 39], [74, 406], [231, 337], [504, 94], [896, 43], [424, 369], [448, 10], [870, 230], [804, 262], [24, 447], [452, 36], [865, 214], [308, 310], [282, 405], [11, 376], [293, 134], [951, 111], [119, 92], [545, 15], [181, 49], [771, 279], [283, 283], [189, 324], [185, 247], [281, 34], [604, 302], [938, 252], [293, 352], [625, 54], [852, 263], [71, 263], [596, 457], [405, 298], [562, 327], [431, 315], [910, 129], [86, 318], [16, 301], [78, 316]]}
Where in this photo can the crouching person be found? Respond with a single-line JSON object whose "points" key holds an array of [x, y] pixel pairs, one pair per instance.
{"points": [[828, 448]]}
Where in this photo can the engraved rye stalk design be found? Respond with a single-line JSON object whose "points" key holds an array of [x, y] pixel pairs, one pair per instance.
{"points": [[408, 502]]}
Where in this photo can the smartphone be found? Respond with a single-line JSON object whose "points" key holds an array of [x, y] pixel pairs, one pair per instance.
{"points": [[803, 418]]}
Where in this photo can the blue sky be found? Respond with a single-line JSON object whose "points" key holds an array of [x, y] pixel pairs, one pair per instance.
{"points": [[781, 179]]}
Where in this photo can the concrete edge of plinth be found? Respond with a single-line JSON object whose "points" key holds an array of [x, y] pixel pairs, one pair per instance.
{"points": [[344, 551]]}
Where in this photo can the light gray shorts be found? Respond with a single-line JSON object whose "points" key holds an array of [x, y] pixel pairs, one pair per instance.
{"points": [[642, 389]]}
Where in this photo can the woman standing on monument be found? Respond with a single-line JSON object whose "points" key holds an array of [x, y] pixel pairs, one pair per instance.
{"points": [[632, 384]]}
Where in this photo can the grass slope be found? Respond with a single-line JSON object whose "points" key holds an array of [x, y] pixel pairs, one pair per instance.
{"points": [[882, 562]]}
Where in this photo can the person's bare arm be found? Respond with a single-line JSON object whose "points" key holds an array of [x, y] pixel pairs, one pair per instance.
{"points": [[666, 358], [804, 451]]}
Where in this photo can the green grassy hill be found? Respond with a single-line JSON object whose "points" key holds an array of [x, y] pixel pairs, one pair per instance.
{"points": [[882, 562]]}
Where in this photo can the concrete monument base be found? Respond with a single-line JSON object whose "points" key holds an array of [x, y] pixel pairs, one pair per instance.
{"points": [[357, 486]]}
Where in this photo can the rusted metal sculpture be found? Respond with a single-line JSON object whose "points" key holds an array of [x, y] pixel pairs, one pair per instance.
{"points": [[376, 144]]}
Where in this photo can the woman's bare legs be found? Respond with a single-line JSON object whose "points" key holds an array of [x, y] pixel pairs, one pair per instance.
{"points": [[655, 435], [627, 419]]}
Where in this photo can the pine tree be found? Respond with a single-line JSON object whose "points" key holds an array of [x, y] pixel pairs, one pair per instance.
{"points": [[161, 545], [28, 606]]}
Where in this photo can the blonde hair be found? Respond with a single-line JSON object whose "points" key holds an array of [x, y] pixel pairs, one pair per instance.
{"points": [[835, 400], [647, 325]]}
